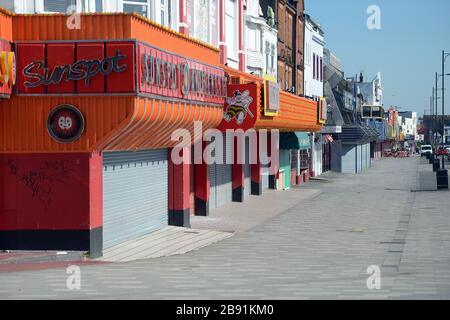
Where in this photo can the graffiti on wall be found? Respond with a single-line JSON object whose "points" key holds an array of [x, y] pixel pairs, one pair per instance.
{"points": [[41, 181]]}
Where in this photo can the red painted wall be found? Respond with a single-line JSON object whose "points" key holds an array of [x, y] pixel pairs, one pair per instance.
{"points": [[179, 183], [50, 191], [201, 178]]}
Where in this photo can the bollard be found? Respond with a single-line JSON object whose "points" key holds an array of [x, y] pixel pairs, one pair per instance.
{"points": [[442, 179], [436, 165]]}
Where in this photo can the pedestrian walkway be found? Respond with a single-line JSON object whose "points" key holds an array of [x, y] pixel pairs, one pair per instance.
{"points": [[321, 248], [239, 217]]}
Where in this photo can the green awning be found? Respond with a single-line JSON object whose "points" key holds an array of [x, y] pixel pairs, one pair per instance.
{"points": [[294, 140]]}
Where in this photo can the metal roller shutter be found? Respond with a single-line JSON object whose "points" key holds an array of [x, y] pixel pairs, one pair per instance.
{"points": [[247, 169], [265, 176], [135, 194], [220, 180], [212, 184]]}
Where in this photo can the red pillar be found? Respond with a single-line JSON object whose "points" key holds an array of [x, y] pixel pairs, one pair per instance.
{"points": [[184, 28], [202, 187], [241, 47], [222, 43], [179, 190], [256, 172], [238, 174]]}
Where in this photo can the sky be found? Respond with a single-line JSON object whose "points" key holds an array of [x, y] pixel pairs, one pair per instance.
{"points": [[406, 50]]}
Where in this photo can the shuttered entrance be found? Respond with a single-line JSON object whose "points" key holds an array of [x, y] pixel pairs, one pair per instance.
{"points": [[135, 194], [265, 176], [220, 176], [247, 169]]}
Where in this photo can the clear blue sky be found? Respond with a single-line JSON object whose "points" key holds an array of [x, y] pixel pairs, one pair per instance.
{"points": [[407, 49]]}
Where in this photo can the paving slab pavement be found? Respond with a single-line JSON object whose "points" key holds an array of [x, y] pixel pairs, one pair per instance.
{"points": [[319, 248]]}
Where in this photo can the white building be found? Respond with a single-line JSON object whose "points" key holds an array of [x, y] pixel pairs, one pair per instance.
{"points": [[260, 42], [372, 91], [408, 123], [164, 12], [313, 81], [314, 44]]}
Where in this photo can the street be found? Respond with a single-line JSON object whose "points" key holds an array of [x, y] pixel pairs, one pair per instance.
{"points": [[319, 249]]}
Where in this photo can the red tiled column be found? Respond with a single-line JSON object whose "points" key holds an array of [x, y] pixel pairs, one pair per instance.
{"points": [[202, 186], [256, 172], [179, 190], [237, 175]]}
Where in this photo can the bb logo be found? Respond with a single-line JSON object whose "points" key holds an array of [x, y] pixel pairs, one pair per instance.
{"points": [[65, 123], [7, 68]]}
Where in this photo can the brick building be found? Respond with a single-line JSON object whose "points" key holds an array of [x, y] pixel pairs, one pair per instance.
{"points": [[290, 22]]}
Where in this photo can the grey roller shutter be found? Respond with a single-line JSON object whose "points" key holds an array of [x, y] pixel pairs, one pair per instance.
{"points": [[221, 178], [135, 194], [212, 185], [265, 176], [348, 158], [247, 169]]}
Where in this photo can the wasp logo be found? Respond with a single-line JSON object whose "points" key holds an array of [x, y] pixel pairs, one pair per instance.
{"points": [[238, 107], [7, 68]]}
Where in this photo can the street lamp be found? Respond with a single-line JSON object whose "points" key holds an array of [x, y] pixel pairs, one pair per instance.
{"points": [[444, 57]]}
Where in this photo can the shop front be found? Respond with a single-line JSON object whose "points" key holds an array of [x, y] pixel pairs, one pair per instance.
{"points": [[351, 149], [298, 118], [87, 131]]}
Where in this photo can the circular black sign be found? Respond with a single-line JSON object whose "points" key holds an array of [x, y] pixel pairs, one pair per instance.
{"points": [[65, 123]]}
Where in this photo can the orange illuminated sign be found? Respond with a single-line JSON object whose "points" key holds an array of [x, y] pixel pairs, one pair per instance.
{"points": [[7, 68]]}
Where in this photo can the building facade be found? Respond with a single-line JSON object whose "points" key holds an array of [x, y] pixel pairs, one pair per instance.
{"points": [[260, 42], [97, 169], [313, 86], [289, 16]]}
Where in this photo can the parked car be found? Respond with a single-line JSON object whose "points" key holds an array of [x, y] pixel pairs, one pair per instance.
{"points": [[442, 151], [424, 149]]}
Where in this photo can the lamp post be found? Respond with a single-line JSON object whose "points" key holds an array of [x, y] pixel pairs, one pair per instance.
{"points": [[444, 56]]}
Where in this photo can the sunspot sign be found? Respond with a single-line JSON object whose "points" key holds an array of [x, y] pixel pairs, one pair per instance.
{"points": [[240, 109]]}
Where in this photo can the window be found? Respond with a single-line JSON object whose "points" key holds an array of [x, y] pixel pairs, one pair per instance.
{"points": [[137, 6], [165, 9], [99, 5], [231, 28], [281, 21], [289, 30], [314, 65], [58, 5], [321, 70], [267, 56]]}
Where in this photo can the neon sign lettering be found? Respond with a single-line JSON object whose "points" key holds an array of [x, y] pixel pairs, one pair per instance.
{"points": [[163, 74], [80, 70]]}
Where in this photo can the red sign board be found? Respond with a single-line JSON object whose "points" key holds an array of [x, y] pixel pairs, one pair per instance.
{"points": [[109, 67], [164, 74], [241, 108], [76, 67]]}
